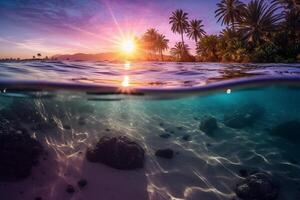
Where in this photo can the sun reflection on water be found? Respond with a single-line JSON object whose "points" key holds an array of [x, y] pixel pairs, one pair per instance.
{"points": [[127, 65], [125, 82]]}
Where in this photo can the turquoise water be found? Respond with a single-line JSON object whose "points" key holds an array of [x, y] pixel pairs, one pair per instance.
{"points": [[206, 164]]}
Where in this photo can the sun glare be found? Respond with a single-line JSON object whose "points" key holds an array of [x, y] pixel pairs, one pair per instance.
{"points": [[128, 46], [125, 82]]}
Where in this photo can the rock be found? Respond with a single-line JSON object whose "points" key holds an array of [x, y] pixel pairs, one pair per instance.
{"points": [[243, 173], [208, 125], [165, 153], [161, 124], [24, 110], [289, 130], [165, 135], [82, 183], [208, 145], [18, 154], [186, 137], [244, 116], [66, 126], [257, 186], [117, 152], [81, 121], [70, 189], [293, 161]]}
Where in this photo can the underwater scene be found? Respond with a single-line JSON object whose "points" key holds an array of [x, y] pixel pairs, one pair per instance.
{"points": [[236, 140]]}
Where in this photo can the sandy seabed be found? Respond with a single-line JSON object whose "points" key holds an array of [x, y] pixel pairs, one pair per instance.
{"points": [[204, 167]]}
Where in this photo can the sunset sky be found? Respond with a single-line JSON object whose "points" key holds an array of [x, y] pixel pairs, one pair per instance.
{"points": [[53, 27]]}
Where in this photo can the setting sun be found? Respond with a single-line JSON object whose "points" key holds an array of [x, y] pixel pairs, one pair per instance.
{"points": [[128, 46]]}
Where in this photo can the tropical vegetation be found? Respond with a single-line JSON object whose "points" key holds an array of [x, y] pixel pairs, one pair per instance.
{"points": [[259, 31]]}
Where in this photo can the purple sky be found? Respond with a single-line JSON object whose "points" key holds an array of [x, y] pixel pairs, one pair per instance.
{"points": [[90, 26]]}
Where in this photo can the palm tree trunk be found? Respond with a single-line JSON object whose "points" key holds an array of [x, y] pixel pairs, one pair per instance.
{"points": [[182, 44], [182, 38], [161, 55]]}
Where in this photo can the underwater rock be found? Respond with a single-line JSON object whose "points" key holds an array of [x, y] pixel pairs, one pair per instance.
{"points": [[288, 130], [165, 153], [257, 186], [18, 154], [208, 125], [117, 152], [24, 110], [165, 135], [70, 189], [243, 173], [43, 126], [208, 145], [66, 127], [244, 116], [186, 137], [81, 121], [82, 183]]}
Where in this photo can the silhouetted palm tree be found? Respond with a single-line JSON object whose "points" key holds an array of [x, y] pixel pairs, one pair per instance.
{"points": [[161, 44], [149, 40], [289, 4], [179, 50], [207, 47], [195, 30], [258, 20], [179, 22], [291, 24], [229, 12], [228, 33]]}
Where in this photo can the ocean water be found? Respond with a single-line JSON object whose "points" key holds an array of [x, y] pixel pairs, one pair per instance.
{"points": [[68, 106]]}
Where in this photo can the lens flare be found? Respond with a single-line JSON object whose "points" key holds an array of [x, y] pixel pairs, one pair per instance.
{"points": [[125, 82], [128, 46]]}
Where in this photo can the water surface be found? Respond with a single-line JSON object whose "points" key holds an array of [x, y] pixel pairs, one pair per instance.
{"points": [[205, 166]]}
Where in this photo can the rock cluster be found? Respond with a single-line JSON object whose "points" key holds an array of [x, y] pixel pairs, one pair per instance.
{"points": [[18, 154], [165, 153], [208, 125], [117, 152], [258, 186], [289, 130], [244, 116]]}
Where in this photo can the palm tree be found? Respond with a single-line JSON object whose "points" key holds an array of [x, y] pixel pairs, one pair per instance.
{"points": [[258, 20], [288, 4], [195, 30], [291, 23], [161, 44], [208, 47], [180, 24], [179, 49], [228, 33], [229, 12], [149, 40]]}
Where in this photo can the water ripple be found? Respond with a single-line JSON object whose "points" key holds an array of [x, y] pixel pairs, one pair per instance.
{"points": [[140, 74]]}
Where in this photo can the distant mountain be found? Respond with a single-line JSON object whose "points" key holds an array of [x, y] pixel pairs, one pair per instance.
{"points": [[89, 57], [108, 56]]}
